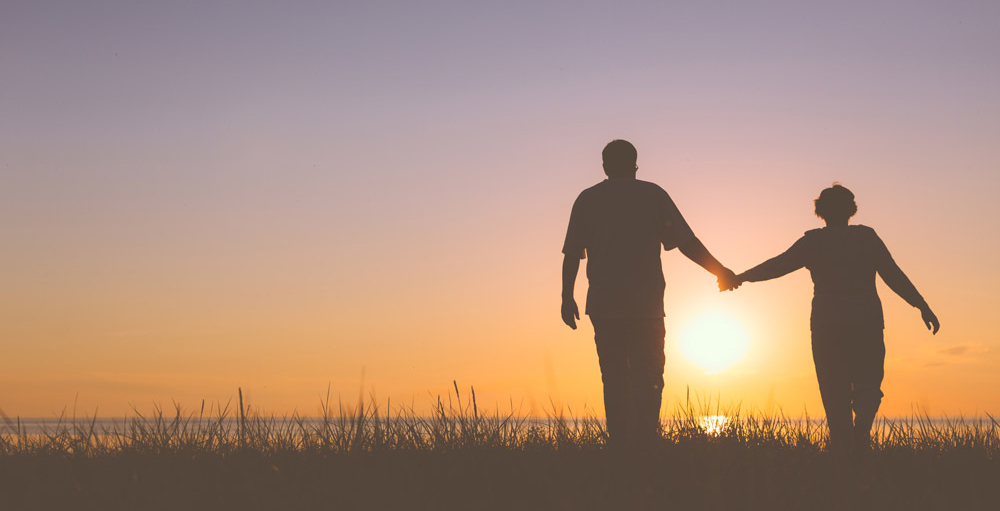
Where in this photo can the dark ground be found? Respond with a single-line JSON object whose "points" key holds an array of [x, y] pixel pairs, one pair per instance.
{"points": [[690, 476]]}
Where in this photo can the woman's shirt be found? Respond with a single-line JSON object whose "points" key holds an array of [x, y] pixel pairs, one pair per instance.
{"points": [[843, 261]]}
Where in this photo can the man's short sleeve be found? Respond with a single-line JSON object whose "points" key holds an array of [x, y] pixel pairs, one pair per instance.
{"points": [[576, 242], [674, 230]]}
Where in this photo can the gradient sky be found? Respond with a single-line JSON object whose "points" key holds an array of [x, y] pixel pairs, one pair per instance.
{"points": [[200, 196]]}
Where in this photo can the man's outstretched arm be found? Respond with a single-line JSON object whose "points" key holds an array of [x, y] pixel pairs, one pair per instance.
{"points": [[695, 250], [570, 312]]}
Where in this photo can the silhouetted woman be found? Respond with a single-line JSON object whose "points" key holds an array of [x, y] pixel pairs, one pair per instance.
{"points": [[847, 343]]}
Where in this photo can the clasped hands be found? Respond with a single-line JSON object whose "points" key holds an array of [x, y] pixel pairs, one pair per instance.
{"points": [[728, 280]]}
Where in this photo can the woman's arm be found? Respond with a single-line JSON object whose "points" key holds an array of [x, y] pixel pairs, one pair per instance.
{"points": [[898, 282], [894, 277], [781, 265]]}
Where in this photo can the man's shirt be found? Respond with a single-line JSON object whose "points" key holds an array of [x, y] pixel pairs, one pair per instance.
{"points": [[620, 225]]}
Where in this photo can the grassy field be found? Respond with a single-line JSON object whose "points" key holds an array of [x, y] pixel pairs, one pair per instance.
{"points": [[463, 458]]}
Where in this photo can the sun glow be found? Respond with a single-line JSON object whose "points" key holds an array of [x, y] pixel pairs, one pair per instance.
{"points": [[713, 424], [714, 341]]}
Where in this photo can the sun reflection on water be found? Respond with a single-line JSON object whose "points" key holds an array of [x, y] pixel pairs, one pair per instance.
{"points": [[713, 424]]}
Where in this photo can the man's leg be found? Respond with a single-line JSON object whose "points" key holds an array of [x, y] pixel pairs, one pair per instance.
{"points": [[646, 361], [833, 375], [867, 371], [611, 354]]}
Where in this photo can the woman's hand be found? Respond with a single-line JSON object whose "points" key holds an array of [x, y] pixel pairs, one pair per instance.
{"points": [[930, 319]]}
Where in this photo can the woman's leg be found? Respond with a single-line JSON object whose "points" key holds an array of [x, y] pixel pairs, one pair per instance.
{"points": [[867, 371], [833, 375]]}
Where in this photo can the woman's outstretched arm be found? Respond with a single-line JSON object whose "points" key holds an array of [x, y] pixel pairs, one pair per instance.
{"points": [[789, 261], [898, 282]]}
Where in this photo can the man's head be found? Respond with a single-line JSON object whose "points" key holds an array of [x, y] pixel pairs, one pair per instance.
{"points": [[836, 204], [619, 159]]}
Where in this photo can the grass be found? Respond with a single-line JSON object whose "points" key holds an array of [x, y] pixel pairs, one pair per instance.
{"points": [[374, 457]]}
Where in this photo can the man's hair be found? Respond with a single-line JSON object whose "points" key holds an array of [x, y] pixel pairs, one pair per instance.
{"points": [[835, 203], [619, 156]]}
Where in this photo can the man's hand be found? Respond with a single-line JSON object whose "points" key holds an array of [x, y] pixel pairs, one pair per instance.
{"points": [[728, 280], [570, 313], [930, 320]]}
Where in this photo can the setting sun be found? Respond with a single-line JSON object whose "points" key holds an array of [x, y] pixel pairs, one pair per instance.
{"points": [[714, 341]]}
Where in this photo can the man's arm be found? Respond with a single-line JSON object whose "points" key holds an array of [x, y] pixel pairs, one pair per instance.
{"points": [[570, 312], [695, 250]]}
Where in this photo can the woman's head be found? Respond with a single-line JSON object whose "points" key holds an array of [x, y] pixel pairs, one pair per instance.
{"points": [[836, 204]]}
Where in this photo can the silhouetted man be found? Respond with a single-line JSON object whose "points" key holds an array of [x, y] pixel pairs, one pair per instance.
{"points": [[619, 225]]}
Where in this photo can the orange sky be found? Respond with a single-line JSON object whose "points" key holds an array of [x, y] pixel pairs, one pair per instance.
{"points": [[198, 200]]}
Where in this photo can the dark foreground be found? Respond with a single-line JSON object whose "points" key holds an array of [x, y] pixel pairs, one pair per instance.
{"points": [[674, 476], [459, 459]]}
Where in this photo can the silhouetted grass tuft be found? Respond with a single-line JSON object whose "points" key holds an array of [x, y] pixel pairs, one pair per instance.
{"points": [[374, 457]]}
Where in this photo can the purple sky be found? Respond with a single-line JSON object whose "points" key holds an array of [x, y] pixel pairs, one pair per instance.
{"points": [[198, 174]]}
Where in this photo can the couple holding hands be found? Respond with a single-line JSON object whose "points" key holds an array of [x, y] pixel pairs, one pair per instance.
{"points": [[619, 226]]}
